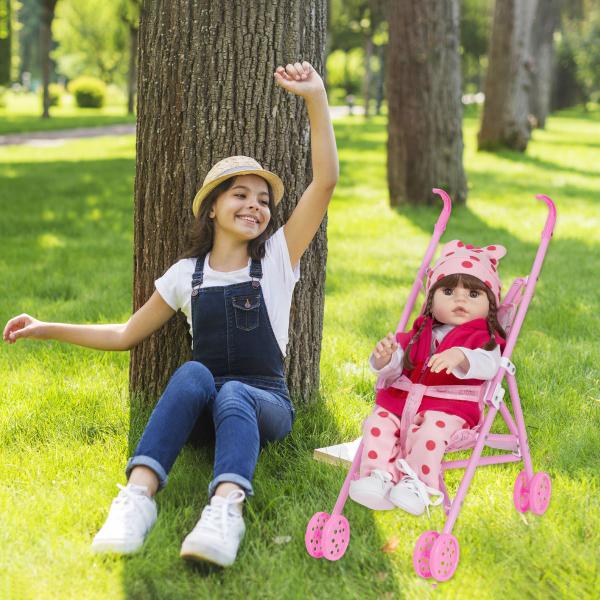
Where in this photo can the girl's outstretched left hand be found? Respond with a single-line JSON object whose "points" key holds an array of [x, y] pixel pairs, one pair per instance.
{"points": [[300, 79]]}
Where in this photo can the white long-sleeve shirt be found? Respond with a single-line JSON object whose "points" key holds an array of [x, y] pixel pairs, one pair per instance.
{"points": [[483, 364]]}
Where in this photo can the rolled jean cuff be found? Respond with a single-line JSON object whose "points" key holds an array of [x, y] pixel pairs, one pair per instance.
{"points": [[230, 478], [151, 463]]}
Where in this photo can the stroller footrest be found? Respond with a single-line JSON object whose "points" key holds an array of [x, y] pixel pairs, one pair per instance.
{"points": [[502, 441]]}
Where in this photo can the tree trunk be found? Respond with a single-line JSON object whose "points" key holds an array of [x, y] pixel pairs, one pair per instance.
{"points": [[131, 71], [505, 120], [206, 91], [425, 143], [367, 79], [48, 7], [381, 52], [5, 41], [545, 23]]}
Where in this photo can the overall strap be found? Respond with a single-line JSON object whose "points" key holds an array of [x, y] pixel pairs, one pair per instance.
{"points": [[256, 272], [198, 276]]}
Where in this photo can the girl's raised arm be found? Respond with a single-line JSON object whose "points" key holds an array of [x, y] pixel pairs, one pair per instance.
{"points": [[303, 80], [152, 315]]}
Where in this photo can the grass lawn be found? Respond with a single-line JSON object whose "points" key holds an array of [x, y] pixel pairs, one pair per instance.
{"points": [[22, 114], [66, 425]]}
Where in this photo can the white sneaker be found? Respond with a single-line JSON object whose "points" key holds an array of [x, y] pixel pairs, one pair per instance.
{"points": [[218, 533], [411, 494], [372, 491], [132, 514]]}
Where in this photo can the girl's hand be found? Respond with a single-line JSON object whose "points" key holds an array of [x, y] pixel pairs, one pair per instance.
{"points": [[300, 79], [383, 351], [24, 326], [448, 359]]}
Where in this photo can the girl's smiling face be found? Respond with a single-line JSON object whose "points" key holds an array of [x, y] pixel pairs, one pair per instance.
{"points": [[458, 305], [243, 211]]}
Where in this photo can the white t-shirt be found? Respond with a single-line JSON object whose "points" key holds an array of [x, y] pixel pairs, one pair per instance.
{"points": [[277, 283]]}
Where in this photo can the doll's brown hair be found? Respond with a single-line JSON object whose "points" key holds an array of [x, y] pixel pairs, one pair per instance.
{"points": [[471, 283]]}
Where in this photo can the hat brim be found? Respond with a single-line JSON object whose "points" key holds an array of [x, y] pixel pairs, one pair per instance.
{"points": [[275, 182]]}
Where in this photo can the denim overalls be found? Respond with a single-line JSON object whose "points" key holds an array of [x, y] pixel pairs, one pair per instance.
{"points": [[236, 375]]}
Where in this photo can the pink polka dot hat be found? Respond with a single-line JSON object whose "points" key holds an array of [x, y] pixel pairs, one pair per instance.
{"points": [[457, 257]]}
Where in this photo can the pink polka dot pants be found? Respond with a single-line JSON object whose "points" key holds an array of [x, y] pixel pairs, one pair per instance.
{"points": [[381, 437], [426, 441]]}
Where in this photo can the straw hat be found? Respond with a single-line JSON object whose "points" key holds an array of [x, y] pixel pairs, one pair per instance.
{"points": [[232, 167]]}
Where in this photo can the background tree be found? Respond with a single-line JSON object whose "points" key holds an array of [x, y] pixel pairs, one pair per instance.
{"points": [[5, 42], [425, 143], [206, 91], [357, 31], [129, 12], [506, 108], [92, 40], [545, 23], [29, 17], [475, 29], [47, 16]]}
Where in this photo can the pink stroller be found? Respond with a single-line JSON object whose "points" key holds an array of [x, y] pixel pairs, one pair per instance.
{"points": [[436, 554]]}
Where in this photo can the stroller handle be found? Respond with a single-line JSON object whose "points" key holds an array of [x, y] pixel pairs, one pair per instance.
{"points": [[551, 219], [445, 214], [438, 230]]}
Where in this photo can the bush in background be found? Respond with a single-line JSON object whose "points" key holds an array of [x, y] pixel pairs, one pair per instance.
{"points": [[89, 92]]}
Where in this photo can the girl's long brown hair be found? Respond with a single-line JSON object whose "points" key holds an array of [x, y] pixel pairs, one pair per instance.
{"points": [[200, 237], [471, 283]]}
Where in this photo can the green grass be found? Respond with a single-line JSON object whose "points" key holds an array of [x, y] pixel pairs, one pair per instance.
{"points": [[66, 426], [22, 114]]}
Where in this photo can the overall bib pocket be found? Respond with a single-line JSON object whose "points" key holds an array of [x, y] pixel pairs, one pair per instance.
{"points": [[246, 311]]}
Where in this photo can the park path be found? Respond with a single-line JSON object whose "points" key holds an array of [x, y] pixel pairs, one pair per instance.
{"points": [[55, 138]]}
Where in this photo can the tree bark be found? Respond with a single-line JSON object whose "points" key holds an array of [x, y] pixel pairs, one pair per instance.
{"points": [[425, 143], [48, 8], [545, 23], [505, 121], [206, 91]]}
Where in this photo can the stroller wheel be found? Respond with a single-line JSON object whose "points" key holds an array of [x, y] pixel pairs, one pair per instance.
{"points": [[314, 533], [444, 556], [336, 537], [521, 493], [540, 490], [422, 551]]}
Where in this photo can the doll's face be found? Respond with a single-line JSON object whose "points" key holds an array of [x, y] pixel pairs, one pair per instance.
{"points": [[455, 306]]}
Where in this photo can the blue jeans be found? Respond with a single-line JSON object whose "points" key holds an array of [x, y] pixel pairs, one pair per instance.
{"points": [[247, 413]]}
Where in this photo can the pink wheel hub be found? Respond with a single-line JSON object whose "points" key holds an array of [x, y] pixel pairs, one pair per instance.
{"points": [[314, 534], [540, 490], [336, 537], [422, 552], [520, 493], [444, 557]]}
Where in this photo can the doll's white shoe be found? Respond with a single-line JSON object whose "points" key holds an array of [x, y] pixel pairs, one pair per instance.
{"points": [[132, 515], [372, 491], [411, 494]]}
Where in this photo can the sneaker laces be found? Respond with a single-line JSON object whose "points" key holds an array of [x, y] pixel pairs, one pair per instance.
{"points": [[217, 517], [422, 490], [383, 475], [127, 507]]}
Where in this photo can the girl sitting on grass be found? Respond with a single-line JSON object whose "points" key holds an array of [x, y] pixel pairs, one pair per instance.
{"points": [[235, 286]]}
